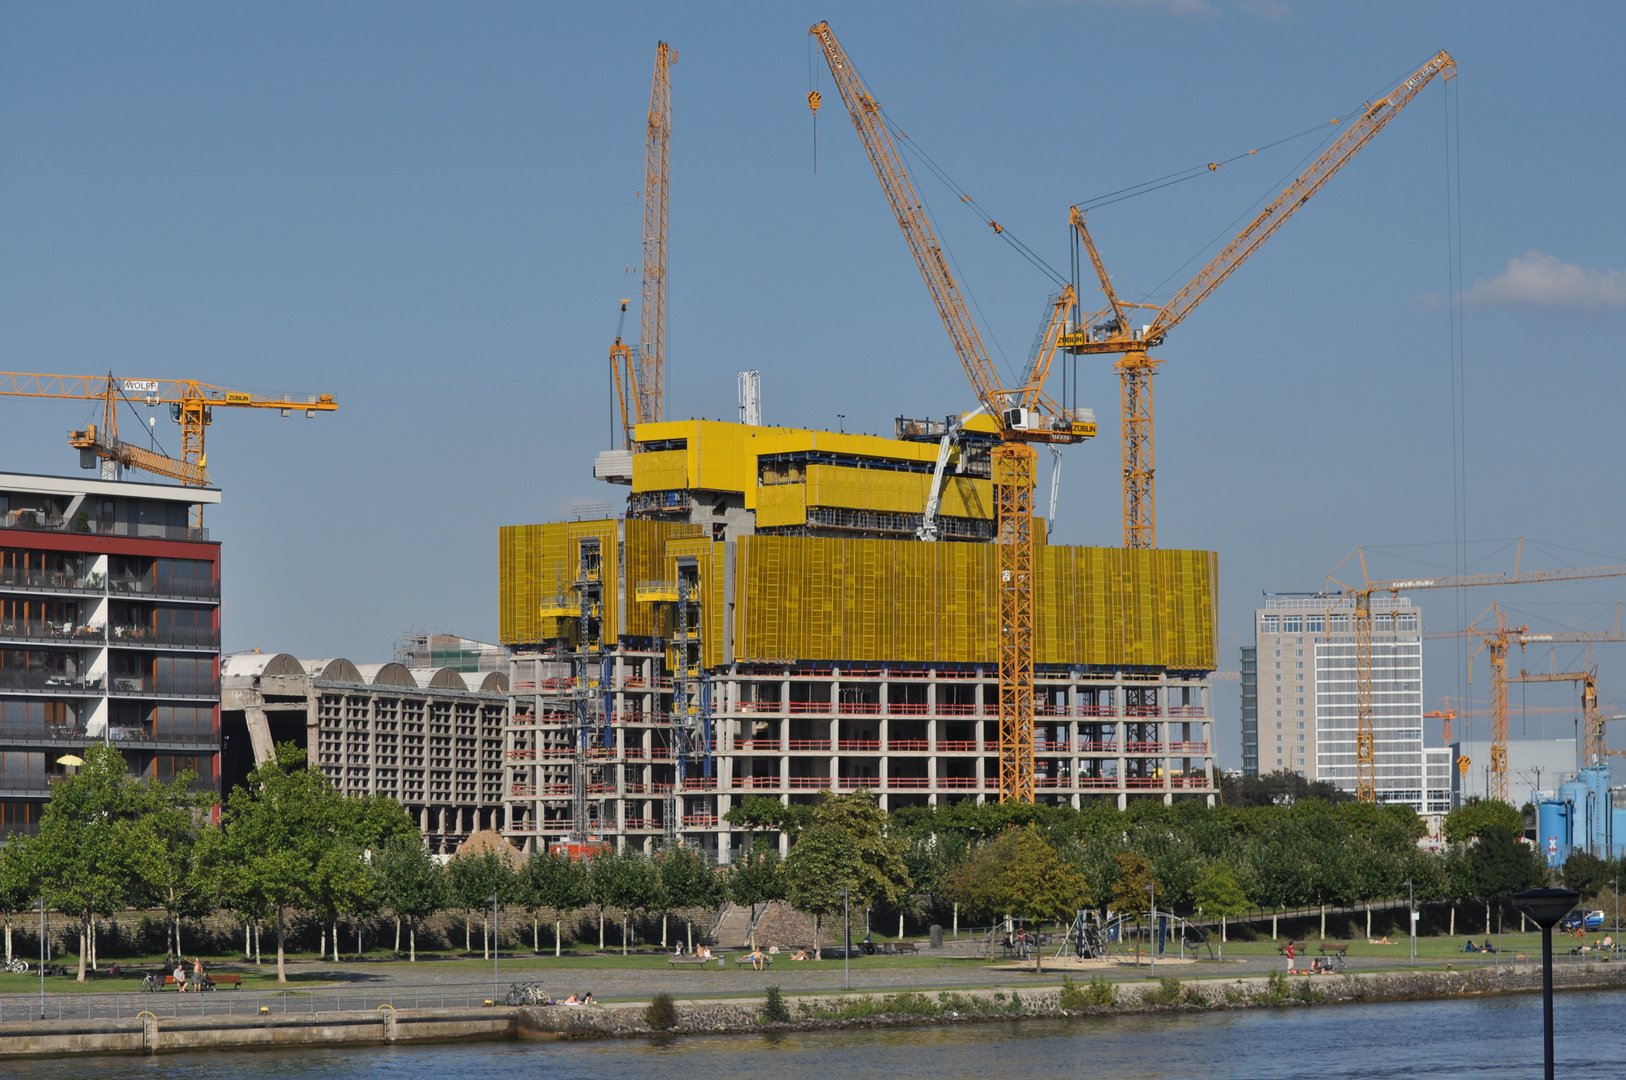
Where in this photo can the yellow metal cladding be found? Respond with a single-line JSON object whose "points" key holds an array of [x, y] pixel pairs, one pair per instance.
{"points": [[895, 492], [660, 470], [779, 505], [801, 598]]}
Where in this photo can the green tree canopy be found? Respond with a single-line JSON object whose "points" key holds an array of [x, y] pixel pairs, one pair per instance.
{"points": [[410, 884], [825, 861], [1473, 819], [555, 881], [1020, 874], [881, 876]]}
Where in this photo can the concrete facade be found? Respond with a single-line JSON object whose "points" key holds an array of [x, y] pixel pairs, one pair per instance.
{"points": [[429, 738]]}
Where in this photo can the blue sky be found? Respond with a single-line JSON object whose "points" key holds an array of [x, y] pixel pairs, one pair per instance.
{"points": [[426, 211]]}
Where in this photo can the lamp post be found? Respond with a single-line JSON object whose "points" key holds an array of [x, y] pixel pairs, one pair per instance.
{"points": [[1614, 887], [42, 956], [846, 943], [1411, 918], [496, 939], [1545, 907], [1151, 890]]}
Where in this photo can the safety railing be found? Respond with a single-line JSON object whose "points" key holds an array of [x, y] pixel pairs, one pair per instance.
{"points": [[958, 746], [808, 744], [908, 745], [858, 745]]}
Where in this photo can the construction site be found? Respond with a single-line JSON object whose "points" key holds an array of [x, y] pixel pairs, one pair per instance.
{"points": [[782, 612]]}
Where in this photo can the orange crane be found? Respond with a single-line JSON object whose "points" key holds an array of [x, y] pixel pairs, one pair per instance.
{"points": [[640, 387], [191, 404], [1111, 330], [1360, 597], [1024, 413]]}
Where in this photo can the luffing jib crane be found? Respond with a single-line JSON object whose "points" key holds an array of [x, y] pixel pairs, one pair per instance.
{"points": [[640, 385], [1025, 414], [1112, 331], [191, 405]]}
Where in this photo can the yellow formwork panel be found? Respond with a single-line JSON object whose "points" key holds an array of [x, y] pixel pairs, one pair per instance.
{"points": [[645, 557], [894, 492], [805, 598], [660, 470], [779, 505]]}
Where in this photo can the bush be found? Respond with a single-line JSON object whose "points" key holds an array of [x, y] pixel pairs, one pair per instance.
{"points": [[1167, 993], [774, 1011], [1016, 1002], [1071, 996], [662, 1014], [1276, 987], [1102, 992]]}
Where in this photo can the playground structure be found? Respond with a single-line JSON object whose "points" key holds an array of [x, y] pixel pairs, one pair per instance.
{"points": [[1093, 935]]}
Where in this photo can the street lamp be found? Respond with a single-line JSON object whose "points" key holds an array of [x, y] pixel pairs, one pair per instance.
{"points": [[1614, 887], [496, 941], [1545, 907], [847, 943], [1411, 917], [1151, 891]]}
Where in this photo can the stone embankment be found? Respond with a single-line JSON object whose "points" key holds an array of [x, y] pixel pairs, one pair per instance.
{"points": [[804, 1012]]}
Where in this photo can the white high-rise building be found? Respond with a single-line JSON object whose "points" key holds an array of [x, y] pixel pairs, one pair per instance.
{"points": [[1306, 692]]}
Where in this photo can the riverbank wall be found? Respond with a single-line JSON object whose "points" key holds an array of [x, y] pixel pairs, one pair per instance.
{"points": [[149, 1034]]}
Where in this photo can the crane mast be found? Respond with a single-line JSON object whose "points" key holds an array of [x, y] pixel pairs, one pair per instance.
{"points": [[1025, 415], [640, 384], [1109, 331]]}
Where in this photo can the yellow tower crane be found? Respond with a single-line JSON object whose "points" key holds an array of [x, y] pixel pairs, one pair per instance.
{"points": [[640, 386], [1360, 598], [1024, 413], [1112, 330], [191, 404]]}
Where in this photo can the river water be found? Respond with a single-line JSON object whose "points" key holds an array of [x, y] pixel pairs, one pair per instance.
{"points": [[1486, 1039]]}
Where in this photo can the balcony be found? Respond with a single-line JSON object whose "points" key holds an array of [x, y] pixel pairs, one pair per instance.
{"points": [[56, 633], [177, 588], [1186, 710], [908, 783], [176, 686], [643, 824], [756, 782], [859, 745], [1086, 747], [958, 746], [756, 744], [184, 637], [1141, 710], [850, 783], [859, 708], [1094, 710], [36, 521], [808, 744], [1188, 748], [699, 821], [809, 707], [959, 783], [50, 682], [907, 708], [1144, 747], [906, 746], [17, 577], [949, 708], [805, 782]]}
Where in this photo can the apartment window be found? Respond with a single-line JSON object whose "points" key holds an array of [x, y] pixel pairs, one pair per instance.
{"points": [[1301, 738], [1298, 652], [1292, 624], [1298, 641], [1278, 738], [1300, 712], [1298, 663], [1278, 726], [1278, 713], [1298, 701], [1299, 725], [1278, 665]]}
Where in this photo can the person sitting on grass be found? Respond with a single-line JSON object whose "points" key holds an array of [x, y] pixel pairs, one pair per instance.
{"points": [[1487, 947], [1469, 946], [679, 950], [587, 998], [800, 954], [571, 1000]]}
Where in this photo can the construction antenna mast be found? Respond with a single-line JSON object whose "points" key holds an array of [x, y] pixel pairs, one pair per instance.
{"points": [[1112, 330], [1024, 413]]}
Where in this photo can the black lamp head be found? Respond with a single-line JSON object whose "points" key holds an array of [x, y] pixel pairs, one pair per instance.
{"points": [[1546, 906]]}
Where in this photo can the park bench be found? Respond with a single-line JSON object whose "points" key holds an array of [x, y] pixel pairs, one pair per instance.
{"points": [[1339, 950], [905, 947], [686, 961], [745, 960], [214, 982], [1298, 947]]}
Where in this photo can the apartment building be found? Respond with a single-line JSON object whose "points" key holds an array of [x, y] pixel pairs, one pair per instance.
{"points": [[1305, 649], [109, 632], [763, 622]]}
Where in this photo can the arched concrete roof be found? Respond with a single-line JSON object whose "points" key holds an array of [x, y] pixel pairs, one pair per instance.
{"points": [[486, 682], [390, 674], [250, 664], [443, 678], [334, 669]]}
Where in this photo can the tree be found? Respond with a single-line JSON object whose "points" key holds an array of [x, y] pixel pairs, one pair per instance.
{"points": [[1472, 819], [881, 877], [277, 833], [1586, 874], [688, 881], [17, 886], [410, 883], [95, 846], [825, 861], [1219, 893], [181, 872], [755, 877], [471, 881], [1131, 891], [554, 880], [1020, 874], [1284, 787], [758, 813], [628, 882], [1501, 864]]}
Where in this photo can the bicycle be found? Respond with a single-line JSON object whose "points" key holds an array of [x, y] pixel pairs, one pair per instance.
{"points": [[528, 994], [151, 984], [18, 967]]}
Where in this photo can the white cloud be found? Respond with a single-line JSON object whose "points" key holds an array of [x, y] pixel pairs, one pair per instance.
{"points": [[1543, 281]]}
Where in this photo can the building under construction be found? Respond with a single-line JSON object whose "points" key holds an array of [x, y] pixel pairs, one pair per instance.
{"points": [[764, 620]]}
